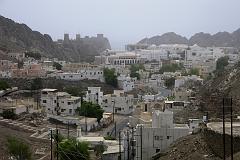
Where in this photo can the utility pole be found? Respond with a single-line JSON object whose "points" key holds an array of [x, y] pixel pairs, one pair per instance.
{"points": [[51, 146], [231, 130], [115, 125], [224, 148], [57, 143], [132, 143], [128, 149], [115, 129], [85, 120], [68, 129], [119, 138], [85, 113], [141, 142], [113, 110]]}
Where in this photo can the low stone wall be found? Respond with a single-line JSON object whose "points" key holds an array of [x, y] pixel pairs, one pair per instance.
{"points": [[214, 141]]}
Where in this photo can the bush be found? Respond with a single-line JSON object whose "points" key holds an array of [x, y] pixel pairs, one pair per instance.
{"points": [[36, 84], [4, 85], [134, 68], [110, 77], [7, 114], [74, 91], [221, 63], [19, 149], [57, 66], [35, 55], [171, 68], [91, 110], [109, 138], [169, 83], [73, 149]]}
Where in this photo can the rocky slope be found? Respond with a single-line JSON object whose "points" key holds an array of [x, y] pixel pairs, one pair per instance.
{"points": [[225, 85], [191, 147], [19, 37], [220, 39]]}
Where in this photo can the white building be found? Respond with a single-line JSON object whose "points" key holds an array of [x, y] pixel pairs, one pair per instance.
{"points": [[59, 103], [91, 74], [182, 80], [94, 95], [153, 54], [119, 58], [126, 82], [159, 136], [120, 101]]}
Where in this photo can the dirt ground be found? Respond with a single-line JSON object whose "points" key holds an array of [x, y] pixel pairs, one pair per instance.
{"points": [[192, 147], [34, 143]]}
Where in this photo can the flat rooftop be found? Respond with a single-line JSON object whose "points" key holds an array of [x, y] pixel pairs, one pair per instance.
{"points": [[218, 126]]}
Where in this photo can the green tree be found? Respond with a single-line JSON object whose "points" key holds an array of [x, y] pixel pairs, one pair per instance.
{"points": [[170, 82], [36, 84], [171, 68], [57, 66], [7, 114], [19, 149], [74, 91], [110, 77], [194, 71], [91, 110], [73, 149], [221, 63], [4, 85], [33, 54], [134, 69]]}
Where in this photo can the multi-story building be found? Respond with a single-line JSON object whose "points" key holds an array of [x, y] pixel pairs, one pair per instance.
{"points": [[153, 54], [91, 74], [17, 55], [59, 103], [126, 83], [158, 136], [94, 95], [120, 58], [119, 101]]}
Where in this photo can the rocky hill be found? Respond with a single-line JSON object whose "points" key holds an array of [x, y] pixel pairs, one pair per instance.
{"points": [[220, 39], [225, 85], [167, 38], [19, 37]]}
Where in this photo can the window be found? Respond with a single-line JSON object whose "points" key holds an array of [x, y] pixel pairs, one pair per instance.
{"points": [[62, 110], [156, 138], [70, 111], [55, 101], [44, 101], [168, 137], [69, 103], [157, 150]]}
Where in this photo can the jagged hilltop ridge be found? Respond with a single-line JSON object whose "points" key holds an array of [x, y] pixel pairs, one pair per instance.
{"points": [[19, 37], [220, 39], [167, 38]]}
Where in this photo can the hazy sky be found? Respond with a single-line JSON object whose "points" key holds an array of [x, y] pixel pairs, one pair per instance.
{"points": [[124, 21]]}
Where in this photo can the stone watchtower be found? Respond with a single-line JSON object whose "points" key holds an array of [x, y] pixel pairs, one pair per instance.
{"points": [[78, 37], [66, 37], [99, 35]]}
